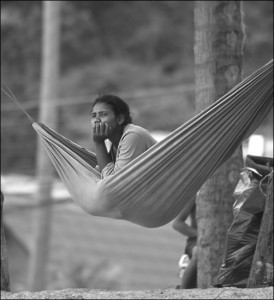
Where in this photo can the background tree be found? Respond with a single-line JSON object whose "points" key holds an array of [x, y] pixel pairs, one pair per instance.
{"points": [[218, 51], [44, 170], [100, 53], [5, 279]]}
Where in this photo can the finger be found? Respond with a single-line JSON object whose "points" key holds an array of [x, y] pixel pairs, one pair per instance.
{"points": [[97, 129], [104, 129], [100, 129], [108, 129], [93, 128]]}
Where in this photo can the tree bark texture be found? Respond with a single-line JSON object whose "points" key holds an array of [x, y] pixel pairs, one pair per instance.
{"points": [[218, 51], [44, 169], [5, 279], [261, 273]]}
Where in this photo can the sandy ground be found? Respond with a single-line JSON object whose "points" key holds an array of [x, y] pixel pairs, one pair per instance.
{"points": [[210, 293]]}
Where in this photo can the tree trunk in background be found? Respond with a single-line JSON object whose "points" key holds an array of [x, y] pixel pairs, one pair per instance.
{"points": [[261, 273], [218, 48], [45, 171], [5, 279]]}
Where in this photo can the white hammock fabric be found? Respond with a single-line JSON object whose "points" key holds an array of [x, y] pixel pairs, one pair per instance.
{"points": [[154, 188]]}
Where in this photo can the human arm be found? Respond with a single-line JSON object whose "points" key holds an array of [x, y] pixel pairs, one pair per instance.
{"points": [[182, 227]]}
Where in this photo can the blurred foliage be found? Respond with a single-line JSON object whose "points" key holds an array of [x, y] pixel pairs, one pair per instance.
{"points": [[109, 46]]}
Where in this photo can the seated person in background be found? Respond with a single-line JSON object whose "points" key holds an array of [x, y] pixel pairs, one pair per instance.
{"points": [[116, 140], [189, 279]]}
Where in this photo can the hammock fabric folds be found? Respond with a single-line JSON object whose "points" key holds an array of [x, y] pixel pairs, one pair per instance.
{"points": [[154, 188]]}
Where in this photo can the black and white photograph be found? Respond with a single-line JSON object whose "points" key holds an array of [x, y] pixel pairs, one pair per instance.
{"points": [[136, 149]]}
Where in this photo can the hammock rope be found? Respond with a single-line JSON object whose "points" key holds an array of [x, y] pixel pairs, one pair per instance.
{"points": [[156, 186]]}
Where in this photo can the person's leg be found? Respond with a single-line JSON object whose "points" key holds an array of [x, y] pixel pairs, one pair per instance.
{"points": [[189, 280]]}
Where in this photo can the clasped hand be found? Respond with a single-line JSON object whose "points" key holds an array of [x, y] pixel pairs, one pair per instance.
{"points": [[100, 131]]}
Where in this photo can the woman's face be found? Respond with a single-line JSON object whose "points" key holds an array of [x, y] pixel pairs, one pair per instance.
{"points": [[103, 119]]}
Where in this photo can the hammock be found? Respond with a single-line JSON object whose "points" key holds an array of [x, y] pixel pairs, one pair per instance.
{"points": [[154, 188]]}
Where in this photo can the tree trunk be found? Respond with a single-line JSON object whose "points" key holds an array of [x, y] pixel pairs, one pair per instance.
{"points": [[218, 51], [5, 279], [261, 273], [45, 170]]}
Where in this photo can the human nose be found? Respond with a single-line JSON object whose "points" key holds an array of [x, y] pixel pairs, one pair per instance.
{"points": [[96, 120]]}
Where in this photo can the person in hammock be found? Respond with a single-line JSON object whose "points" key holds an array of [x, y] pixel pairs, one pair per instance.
{"points": [[116, 140], [189, 278]]}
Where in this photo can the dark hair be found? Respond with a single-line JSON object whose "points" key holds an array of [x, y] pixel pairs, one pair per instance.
{"points": [[118, 105]]}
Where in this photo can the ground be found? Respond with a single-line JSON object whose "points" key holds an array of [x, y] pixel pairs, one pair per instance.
{"points": [[210, 293]]}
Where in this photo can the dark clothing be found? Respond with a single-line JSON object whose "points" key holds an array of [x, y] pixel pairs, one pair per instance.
{"points": [[191, 242]]}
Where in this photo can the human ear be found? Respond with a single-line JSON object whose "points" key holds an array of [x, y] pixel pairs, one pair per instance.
{"points": [[121, 119]]}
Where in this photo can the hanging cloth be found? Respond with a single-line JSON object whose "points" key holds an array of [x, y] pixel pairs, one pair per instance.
{"points": [[157, 185]]}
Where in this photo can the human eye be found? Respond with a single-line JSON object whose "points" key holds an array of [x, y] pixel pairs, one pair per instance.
{"points": [[104, 114], [93, 115]]}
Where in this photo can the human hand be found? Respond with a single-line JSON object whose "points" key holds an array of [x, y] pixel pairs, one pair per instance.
{"points": [[100, 131]]}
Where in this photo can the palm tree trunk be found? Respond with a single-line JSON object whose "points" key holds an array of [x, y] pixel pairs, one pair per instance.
{"points": [[218, 51], [5, 278]]}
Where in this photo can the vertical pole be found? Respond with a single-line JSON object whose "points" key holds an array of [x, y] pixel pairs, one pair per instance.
{"points": [[44, 168]]}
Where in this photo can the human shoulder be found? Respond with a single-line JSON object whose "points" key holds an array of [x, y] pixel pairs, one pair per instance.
{"points": [[132, 128], [135, 128], [135, 135]]}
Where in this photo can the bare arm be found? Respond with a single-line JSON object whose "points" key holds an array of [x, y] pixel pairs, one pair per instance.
{"points": [[182, 227], [102, 155], [185, 229]]}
